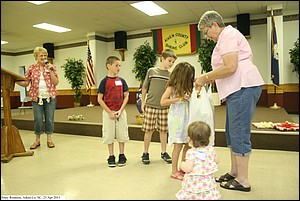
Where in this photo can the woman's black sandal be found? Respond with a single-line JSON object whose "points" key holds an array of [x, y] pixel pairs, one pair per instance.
{"points": [[225, 177], [235, 185]]}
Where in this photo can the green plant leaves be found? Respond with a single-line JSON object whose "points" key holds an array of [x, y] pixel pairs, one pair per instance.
{"points": [[74, 72], [144, 58], [204, 54], [204, 57], [294, 57]]}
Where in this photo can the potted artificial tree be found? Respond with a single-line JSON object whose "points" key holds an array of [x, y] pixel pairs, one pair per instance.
{"points": [[204, 58], [74, 72], [144, 58], [294, 57]]}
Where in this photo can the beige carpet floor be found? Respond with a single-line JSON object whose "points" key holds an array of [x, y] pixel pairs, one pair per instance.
{"points": [[76, 169]]}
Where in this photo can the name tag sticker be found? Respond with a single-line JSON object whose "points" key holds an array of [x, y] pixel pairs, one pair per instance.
{"points": [[118, 83], [201, 155]]}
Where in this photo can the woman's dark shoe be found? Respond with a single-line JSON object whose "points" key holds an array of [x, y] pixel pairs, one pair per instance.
{"points": [[50, 144], [225, 177], [235, 185], [35, 145]]}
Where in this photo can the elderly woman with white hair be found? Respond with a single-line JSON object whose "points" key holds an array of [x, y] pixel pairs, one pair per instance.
{"points": [[239, 83]]}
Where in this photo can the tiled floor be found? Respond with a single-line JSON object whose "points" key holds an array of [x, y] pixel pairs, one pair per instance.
{"points": [[76, 169]]}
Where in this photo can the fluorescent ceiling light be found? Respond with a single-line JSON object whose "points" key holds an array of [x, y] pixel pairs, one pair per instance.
{"points": [[51, 27], [3, 42], [149, 8], [38, 2]]}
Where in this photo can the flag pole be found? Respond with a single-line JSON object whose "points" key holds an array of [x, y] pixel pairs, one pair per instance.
{"points": [[274, 61], [275, 106], [91, 104]]}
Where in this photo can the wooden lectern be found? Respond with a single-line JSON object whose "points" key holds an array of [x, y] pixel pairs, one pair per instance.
{"points": [[11, 142]]}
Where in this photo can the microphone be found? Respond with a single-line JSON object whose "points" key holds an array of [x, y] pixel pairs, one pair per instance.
{"points": [[47, 62]]}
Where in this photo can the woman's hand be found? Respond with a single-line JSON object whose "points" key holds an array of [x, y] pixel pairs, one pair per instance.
{"points": [[49, 67], [200, 81]]}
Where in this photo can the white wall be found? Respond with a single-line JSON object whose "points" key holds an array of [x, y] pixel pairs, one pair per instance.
{"points": [[101, 50], [258, 43]]}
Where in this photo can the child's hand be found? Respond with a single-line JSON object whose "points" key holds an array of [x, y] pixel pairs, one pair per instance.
{"points": [[186, 97], [117, 115], [112, 115]]}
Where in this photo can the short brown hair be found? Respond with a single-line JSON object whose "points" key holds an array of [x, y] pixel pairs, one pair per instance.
{"points": [[199, 133], [111, 59], [168, 53]]}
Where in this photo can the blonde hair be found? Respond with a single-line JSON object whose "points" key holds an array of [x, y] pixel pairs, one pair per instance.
{"points": [[37, 50]]}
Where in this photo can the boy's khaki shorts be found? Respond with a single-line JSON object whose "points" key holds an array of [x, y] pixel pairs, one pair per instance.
{"points": [[114, 129]]}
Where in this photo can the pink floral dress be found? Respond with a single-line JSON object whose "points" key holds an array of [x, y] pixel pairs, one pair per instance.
{"points": [[199, 184]]}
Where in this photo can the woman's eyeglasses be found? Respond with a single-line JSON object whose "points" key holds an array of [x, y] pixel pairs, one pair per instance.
{"points": [[205, 33]]}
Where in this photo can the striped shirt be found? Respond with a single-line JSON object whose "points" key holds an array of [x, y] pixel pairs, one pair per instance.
{"points": [[155, 81]]}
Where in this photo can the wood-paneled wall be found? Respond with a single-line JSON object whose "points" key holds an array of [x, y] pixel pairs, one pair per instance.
{"points": [[286, 96]]}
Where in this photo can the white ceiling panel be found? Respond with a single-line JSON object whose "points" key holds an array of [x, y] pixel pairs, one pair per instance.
{"points": [[107, 17]]}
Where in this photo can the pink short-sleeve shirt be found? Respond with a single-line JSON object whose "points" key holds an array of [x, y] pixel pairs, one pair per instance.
{"points": [[247, 74]]}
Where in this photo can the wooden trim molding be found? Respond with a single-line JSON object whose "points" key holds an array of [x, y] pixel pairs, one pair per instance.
{"points": [[287, 96], [284, 88], [291, 87], [133, 89]]}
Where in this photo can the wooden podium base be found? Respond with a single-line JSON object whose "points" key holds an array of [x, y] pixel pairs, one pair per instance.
{"points": [[11, 144], [6, 159]]}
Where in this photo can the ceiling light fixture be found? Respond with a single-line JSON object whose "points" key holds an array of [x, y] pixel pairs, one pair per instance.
{"points": [[149, 8], [38, 2], [51, 27]]}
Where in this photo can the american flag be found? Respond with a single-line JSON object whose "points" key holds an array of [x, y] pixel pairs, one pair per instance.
{"points": [[90, 80]]}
